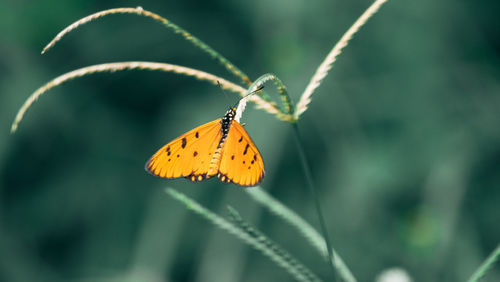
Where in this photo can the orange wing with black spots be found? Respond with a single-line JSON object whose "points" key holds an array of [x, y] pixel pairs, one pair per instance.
{"points": [[190, 155], [220, 147], [241, 162]]}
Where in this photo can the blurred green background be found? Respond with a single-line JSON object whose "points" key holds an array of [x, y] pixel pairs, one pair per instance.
{"points": [[403, 138]]}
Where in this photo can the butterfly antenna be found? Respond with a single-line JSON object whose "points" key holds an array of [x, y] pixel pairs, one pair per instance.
{"points": [[251, 93], [222, 90]]}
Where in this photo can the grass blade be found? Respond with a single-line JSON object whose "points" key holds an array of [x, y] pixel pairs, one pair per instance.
{"points": [[237, 231], [297, 267], [305, 229], [486, 265]]}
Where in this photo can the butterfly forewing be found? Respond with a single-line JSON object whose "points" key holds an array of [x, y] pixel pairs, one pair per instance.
{"points": [[241, 161], [189, 155]]}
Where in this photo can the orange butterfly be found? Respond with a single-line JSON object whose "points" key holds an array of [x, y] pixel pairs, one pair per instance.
{"points": [[220, 147]]}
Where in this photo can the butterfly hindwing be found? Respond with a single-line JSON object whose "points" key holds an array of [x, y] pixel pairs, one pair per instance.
{"points": [[189, 155], [241, 162]]}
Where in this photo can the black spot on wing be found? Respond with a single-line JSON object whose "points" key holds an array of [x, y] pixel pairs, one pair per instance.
{"points": [[184, 142], [197, 134], [195, 154], [246, 149]]}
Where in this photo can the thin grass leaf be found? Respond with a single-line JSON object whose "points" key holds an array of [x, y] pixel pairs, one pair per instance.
{"points": [[314, 194], [140, 11], [238, 232], [486, 265], [121, 66], [245, 226], [305, 229], [326, 65], [292, 218]]}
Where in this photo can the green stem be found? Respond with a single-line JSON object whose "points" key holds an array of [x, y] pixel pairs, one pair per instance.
{"points": [[485, 266], [312, 187], [287, 108], [258, 83], [287, 102]]}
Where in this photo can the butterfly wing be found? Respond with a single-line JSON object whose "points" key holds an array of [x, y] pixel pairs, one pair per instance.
{"points": [[241, 162], [189, 155]]}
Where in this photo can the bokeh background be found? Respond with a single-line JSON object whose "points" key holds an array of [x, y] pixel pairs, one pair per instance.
{"points": [[403, 139]]}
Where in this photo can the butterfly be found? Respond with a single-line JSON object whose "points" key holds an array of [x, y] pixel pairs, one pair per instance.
{"points": [[221, 147]]}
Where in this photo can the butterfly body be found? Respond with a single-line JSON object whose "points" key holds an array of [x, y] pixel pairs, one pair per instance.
{"points": [[221, 147]]}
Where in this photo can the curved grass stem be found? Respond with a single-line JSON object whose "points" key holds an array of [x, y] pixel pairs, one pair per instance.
{"points": [[175, 28], [285, 98], [326, 65], [285, 114], [121, 66]]}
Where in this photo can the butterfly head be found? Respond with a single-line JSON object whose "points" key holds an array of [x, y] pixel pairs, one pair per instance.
{"points": [[227, 119], [230, 113]]}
